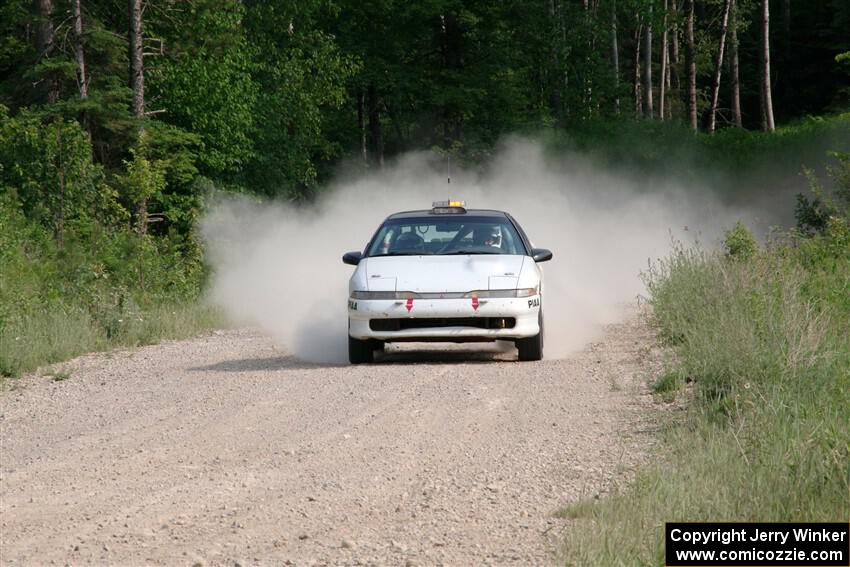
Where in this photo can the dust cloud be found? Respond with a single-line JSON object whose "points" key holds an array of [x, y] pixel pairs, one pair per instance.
{"points": [[278, 267]]}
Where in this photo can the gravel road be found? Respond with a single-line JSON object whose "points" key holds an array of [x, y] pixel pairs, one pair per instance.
{"points": [[224, 450]]}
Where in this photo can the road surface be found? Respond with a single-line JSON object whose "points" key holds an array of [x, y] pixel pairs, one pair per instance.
{"points": [[224, 450]]}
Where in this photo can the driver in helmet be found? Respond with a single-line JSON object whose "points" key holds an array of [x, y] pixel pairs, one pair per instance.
{"points": [[487, 236]]}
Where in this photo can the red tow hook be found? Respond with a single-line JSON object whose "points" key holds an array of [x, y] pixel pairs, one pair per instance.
{"points": [[409, 304], [475, 303]]}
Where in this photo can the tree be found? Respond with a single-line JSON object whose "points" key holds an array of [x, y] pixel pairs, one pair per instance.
{"points": [[143, 180], [46, 47], [208, 88], [375, 143], [556, 95], [665, 70], [690, 64], [137, 83], [615, 57], [647, 66], [674, 47], [718, 66], [636, 88], [79, 53], [768, 124], [734, 68], [49, 165], [303, 78], [136, 58]]}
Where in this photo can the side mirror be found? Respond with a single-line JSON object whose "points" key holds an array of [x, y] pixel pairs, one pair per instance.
{"points": [[353, 258], [541, 254]]}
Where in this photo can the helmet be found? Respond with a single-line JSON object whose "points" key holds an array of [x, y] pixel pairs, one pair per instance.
{"points": [[487, 236]]}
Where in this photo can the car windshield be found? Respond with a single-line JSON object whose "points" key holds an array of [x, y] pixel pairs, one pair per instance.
{"points": [[429, 235]]}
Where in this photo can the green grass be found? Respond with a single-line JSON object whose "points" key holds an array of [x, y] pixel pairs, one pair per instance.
{"points": [[766, 436], [59, 333]]}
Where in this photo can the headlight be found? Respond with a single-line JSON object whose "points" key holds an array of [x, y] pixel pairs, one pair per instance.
{"points": [[378, 295], [502, 293], [526, 292]]}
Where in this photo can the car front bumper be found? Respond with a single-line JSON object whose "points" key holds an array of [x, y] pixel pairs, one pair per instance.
{"points": [[449, 320]]}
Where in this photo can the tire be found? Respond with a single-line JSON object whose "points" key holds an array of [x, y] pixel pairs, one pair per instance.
{"points": [[360, 352], [531, 348]]}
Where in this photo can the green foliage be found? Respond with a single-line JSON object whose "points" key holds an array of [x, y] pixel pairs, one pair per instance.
{"points": [[214, 98], [664, 148], [301, 74], [73, 276], [765, 344], [827, 209], [209, 90], [99, 290], [49, 166], [739, 242]]}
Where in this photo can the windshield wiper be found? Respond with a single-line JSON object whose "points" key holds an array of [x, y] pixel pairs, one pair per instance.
{"points": [[468, 252]]}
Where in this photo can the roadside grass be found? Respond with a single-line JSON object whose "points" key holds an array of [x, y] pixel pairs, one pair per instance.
{"points": [[98, 290], [60, 333], [58, 374], [765, 341]]}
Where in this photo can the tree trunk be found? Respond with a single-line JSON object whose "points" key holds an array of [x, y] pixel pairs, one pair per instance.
{"points": [[137, 65], [46, 45], [669, 85], [647, 67], [718, 67], [376, 138], [453, 58], [734, 71], [615, 57], [636, 79], [59, 226], [402, 139], [137, 84], [786, 24], [766, 98], [82, 80], [690, 64], [662, 92], [44, 33], [782, 82], [555, 96], [361, 124], [674, 48], [591, 40]]}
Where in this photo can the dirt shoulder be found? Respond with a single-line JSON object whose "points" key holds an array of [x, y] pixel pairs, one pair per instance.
{"points": [[224, 449]]}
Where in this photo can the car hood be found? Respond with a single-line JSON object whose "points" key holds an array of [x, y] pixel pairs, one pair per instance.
{"points": [[435, 274]]}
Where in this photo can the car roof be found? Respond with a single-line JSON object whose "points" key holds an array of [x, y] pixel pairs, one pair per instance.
{"points": [[429, 212]]}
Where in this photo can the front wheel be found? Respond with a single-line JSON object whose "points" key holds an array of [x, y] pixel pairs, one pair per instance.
{"points": [[531, 348], [360, 352]]}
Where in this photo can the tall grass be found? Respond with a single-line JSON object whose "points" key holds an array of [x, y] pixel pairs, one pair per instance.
{"points": [[763, 357], [59, 333]]}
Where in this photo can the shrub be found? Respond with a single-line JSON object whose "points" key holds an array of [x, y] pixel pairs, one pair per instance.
{"points": [[739, 242]]}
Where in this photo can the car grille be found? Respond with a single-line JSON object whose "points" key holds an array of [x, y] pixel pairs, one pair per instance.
{"points": [[435, 322]]}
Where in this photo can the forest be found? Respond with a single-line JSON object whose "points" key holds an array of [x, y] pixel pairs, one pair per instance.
{"points": [[117, 119]]}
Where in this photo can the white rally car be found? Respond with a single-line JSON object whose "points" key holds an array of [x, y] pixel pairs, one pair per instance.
{"points": [[447, 274]]}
